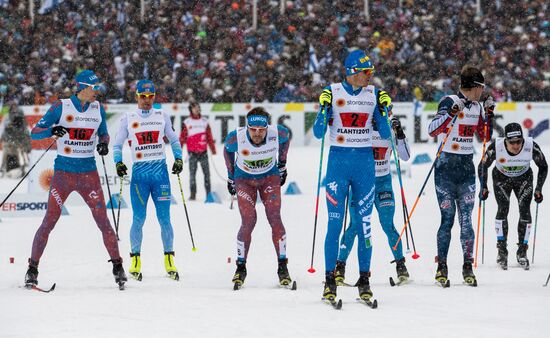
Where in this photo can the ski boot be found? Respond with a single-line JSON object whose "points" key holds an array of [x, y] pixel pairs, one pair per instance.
{"points": [[468, 274], [441, 276], [240, 275], [521, 256], [329, 292], [363, 286], [193, 196], [502, 256], [282, 272], [118, 272], [31, 278], [170, 266], [401, 269], [340, 273], [135, 267]]}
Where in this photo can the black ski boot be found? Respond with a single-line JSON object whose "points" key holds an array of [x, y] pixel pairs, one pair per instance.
{"points": [[521, 256], [441, 276], [329, 291], [468, 274], [363, 286], [502, 256], [401, 269], [118, 272], [240, 275], [31, 278], [282, 272], [193, 196], [340, 273]]}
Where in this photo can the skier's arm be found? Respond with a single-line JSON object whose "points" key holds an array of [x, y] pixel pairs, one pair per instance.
{"points": [[403, 149], [540, 161], [229, 151], [485, 134], [284, 143], [43, 128], [210, 140], [183, 135], [324, 115], [442, 118], [102, 133], [379, 114], [120, 137], [483, 167], [172, 137]]}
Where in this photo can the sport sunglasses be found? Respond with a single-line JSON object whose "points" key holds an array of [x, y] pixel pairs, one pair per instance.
{"points": [[96, 87], [145, 96]]}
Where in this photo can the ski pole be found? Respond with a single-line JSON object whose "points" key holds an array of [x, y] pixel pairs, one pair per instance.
{"points": [[28, 172], [483, 235], [482, 182], [535, 234], [403, 199], [547, 279], [118, 205], [109, 192], [231, 205], [439, 151], [324, 112], [186, 214]]}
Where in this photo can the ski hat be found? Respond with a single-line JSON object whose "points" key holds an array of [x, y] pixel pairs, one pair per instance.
{"points": [[471, 77], [513, 130], [257, 121], [87, 78], [145, 86], [357, 61]]}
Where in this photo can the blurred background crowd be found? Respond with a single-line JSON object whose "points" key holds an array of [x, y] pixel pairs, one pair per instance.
{"points": [[209, 51]]}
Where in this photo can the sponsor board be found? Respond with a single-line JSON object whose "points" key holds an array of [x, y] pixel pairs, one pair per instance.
{"points": [[25, 205]]}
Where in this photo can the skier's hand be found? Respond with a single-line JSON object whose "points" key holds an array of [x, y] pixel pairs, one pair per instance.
{"points": [[489, 105], [484, 194], [177, 168], [384, 98], [102, 148], [282, 172], [231, 187], [396, 125], [538, 196], [458, 105], [121, 169], [59, 131], [325, 99]]}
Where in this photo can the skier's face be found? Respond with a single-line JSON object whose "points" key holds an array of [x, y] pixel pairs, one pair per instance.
{"points": [[514, 145], [145, 100], [88, 94], [360, 79], [257, 134]]}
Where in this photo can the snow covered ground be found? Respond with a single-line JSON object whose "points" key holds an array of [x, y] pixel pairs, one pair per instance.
{"points": [[87, 302]]}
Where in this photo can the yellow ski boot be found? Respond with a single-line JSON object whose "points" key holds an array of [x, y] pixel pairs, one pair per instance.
{"points": [[170, 266], [135, 268]]}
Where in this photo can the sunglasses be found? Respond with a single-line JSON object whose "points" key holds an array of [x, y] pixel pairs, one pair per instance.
{"points": [[482, 85], [96, 87], [256, 129], [145, 96], [367, 71], [515, 142]]}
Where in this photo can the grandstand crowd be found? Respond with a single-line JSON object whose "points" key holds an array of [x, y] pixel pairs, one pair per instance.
{"points": [[208, 50]]}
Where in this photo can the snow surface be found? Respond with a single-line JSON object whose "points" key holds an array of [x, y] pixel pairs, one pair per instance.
{"points": [[87, 302]]}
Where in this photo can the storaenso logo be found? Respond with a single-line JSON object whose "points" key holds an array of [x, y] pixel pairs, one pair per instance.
{"points": [[360, 103], [258, 164]]}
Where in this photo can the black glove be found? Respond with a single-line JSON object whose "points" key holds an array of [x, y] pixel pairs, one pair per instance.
{"points": [[102, 148], [484, 194], [121, 169], [489, 105], [396, 125], [177, 168], [282, 172], [231, 187], [59, 131], [538, 196], [458, 105]]}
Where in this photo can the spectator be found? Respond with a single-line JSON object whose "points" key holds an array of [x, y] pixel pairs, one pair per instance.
{"points": [[16, 142]]}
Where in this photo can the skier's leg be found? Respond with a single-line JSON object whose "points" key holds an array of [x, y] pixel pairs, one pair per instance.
{"points": [[139, 195], [363, 190], [466, 202], [270, 193], [160, 193], [444, 189], [524, 193], [502, 188], [246, 199], [346, 244], [384, 201], [192, 174], [205, 171]]}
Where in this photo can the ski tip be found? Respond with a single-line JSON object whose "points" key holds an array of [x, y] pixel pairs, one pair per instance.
{"points": [[338, 305], [392, 282], [294, 286], [375, 304], [53, 287]]}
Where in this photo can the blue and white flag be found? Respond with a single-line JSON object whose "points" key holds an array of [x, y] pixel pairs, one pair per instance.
{"points": [[48, 5], [313, 65]]}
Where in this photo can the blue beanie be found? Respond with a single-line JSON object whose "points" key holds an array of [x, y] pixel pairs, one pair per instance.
{"points": [[356, 61], [86, 77], [145, 86]]}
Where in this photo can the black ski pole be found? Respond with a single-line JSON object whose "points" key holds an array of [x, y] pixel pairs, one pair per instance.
{"points": [[547, 279], [118, 205], [110, 197], [28, 172], [186, 215]]}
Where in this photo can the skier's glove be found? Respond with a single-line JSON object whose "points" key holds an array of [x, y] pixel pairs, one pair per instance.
{"points": [[231, 187], [384, 98], [282, 172], [489, 105], [102, 148], [458, 105], [177, 168], [59, 131], [538, 196], [396, 125], [121, 169], [325, 99], [484, 194]]}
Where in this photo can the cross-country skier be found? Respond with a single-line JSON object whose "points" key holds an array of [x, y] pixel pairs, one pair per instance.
{"points": [[255, 157], [384, 202], [78, 123], [455, 180], [349, 109], [512, 172], [146, 128], [197, 134]]}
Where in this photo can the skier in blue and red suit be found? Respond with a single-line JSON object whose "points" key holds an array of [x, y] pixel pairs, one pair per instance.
{"points": [[350, 107], [78, 123], [255, 157]]}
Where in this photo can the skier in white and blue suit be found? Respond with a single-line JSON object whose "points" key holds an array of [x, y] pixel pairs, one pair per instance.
{"points": [[351, 106]]}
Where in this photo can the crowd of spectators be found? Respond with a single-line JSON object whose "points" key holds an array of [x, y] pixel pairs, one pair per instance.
{"points": [[208, 50]]}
